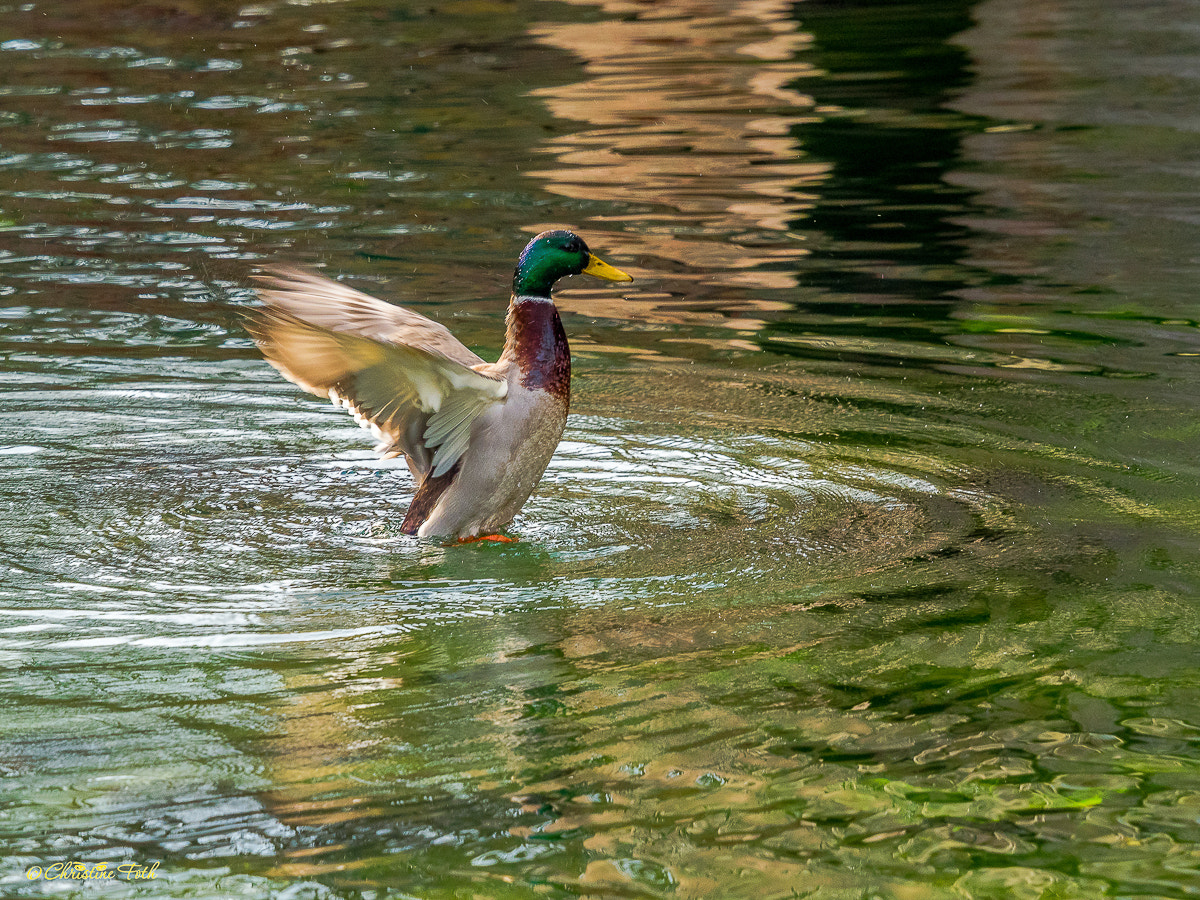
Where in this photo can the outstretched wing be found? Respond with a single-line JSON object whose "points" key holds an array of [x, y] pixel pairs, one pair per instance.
{"points": [[402, 375]]}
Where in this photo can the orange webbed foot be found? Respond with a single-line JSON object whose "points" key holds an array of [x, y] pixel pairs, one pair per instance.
{"points": [[498, 538]]}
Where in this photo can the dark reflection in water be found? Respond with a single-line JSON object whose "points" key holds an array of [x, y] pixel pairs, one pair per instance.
{"points": [[891, 240], [867, 565]]}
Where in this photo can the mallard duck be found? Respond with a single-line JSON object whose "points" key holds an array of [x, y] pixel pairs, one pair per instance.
{"points": [[477, 435]]}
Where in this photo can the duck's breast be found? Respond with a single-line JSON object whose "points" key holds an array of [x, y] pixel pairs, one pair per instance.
{"points": [[511, 445]]}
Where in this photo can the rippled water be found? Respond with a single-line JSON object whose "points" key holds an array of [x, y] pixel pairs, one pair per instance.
{"points": [[868, 565]]}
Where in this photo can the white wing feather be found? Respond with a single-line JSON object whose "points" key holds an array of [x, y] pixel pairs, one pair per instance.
{"points": [[402, 375]]}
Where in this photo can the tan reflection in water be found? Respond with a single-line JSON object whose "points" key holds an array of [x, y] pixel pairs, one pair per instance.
{"points": [[691, 109]]}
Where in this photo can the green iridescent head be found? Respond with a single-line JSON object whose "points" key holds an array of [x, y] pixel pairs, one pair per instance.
{"points": [[553, 255]]}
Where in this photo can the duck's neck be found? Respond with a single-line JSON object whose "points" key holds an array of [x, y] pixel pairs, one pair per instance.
{"points": [[536, 342]]}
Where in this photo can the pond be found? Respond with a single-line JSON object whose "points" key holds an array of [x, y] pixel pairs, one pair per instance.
{"points": [[868, 566]]}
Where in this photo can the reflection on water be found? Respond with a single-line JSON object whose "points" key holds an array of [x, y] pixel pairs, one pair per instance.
{"points": [[690, 108], [1062, 197], [867, 564]]}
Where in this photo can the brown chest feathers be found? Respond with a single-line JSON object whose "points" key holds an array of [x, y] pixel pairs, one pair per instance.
{"points": [[538, 344]]}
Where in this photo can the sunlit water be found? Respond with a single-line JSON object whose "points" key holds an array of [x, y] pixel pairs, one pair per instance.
{"points": [[868, 564]]}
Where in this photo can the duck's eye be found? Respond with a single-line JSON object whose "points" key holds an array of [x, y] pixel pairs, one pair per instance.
{"points": [[574, 245]]}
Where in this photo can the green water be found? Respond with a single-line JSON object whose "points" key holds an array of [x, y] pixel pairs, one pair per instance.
{"points": [[868, 566]]}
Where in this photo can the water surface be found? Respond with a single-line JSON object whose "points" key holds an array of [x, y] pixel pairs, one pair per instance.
{"points": [[867, 566]]}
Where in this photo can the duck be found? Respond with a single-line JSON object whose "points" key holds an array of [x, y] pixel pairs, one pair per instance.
{"points": [[477, 435]]}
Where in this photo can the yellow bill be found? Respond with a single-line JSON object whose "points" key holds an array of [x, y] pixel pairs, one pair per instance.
{"points": [[598, 267]]}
